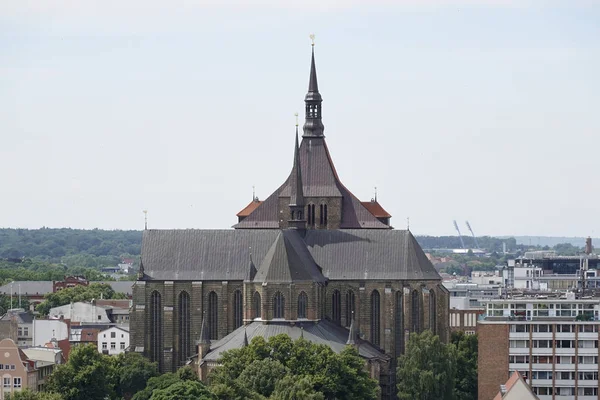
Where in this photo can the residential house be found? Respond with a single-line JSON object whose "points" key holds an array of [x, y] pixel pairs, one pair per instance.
{"points": [[113, 340], [17, 371], [24, 325]]}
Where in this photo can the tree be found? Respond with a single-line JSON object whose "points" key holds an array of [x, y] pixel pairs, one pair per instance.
{"points": [[184, 390], [465, 387], [84, 376], [164, 381], [78, 293], [131, 373], [427, 370], [296, 388], [257, 370], [29, 395]]}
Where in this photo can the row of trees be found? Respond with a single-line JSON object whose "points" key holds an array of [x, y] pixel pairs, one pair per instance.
{"points": [[53, 244], [36, 270], [78, 293], [277, 369]]}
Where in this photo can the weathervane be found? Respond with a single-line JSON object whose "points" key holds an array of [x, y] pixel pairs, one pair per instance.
{"points": [[312, 38]]}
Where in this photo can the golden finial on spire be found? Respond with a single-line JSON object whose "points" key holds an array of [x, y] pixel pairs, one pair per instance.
{"points": [[312, 39], [296, 115]]}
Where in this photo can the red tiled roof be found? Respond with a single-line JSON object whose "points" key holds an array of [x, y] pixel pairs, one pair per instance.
{"points": [[113, 303], [249, 208], [375, 208], [89, 335]]}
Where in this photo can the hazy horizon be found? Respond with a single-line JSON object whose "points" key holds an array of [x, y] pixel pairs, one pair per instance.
{"points": [[485, 111]]}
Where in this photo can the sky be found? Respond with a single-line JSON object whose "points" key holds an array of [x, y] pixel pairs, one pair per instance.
{"points": [[478, 110]]}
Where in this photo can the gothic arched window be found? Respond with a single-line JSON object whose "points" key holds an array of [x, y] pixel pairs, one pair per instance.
{"points": [[399, 324], [311, 214], [278, 305], [375, 314], [323, 214], [237, 309], [432, 312], [350, 306], [156, 327], [336, 306], [415, 312], [257, 305], [213, 316], [302, 303], [184, 326]]}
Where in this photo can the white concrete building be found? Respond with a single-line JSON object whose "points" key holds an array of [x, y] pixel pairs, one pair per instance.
{"points": [[81, 312], [45, 330], [113, 340]]}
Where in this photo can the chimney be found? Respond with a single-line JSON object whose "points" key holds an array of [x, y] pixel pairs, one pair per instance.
{"points": [[588, 246]]}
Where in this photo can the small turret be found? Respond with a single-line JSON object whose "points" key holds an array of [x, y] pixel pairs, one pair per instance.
{"points": [[313, 125], [204, 341], [297, 220], [352, 333]]}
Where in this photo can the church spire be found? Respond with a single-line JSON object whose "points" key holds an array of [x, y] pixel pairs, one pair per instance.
{"points": [[204, 334], [296, 220], [313, 126]]}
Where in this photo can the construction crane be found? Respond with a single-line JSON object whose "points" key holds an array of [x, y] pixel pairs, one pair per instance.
{"points": [[474, 238], [459, 235]]}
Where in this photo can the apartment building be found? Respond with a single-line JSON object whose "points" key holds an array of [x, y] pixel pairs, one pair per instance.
{"points": [[551, 342], [114, 340]]}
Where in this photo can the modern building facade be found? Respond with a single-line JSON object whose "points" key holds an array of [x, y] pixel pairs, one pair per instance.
{"points": [[310, 255], [551, 342]]}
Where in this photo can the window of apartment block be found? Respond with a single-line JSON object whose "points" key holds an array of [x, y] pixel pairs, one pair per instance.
{"points": [[566, 375], [113, 345], [565, 344], [104, 346], [564, 391], [25, 331], [588, 328], [542, 344], [588, 359], [543, 390], [542, 359], [540, 310], [19, 331], [587, 391], [518, 359], [17, 382], [519, 328], [565, 359], [468, 333], [565, 328], [113, 335], [122, 345], [588, 376], [519, 344], [541, 328], [541, 374], [6, 382], [587, 344], [12, 366]]}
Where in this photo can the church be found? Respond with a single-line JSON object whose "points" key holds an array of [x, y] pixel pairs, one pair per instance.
{"points": [[311, 260]]}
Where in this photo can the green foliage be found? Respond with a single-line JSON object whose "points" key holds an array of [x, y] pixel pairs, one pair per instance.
{"points": [[164, 381], [262, 368], [84, 376], [184, 390], [427, 370], [131, 373], [465, 387], [292, 388], [5, 303], [53, 244], [29, 395], [36, 270], [78, 293]]}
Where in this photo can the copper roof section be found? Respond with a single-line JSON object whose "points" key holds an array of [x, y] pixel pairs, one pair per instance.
{"points": [[249, 208], [375, 208]]}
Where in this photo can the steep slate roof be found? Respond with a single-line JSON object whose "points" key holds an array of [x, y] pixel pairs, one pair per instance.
{"points": [[288, 260], [319, 179], [322, 332], [340, 254], [27, 287]]}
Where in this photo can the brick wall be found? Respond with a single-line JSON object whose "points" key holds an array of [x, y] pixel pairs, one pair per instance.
{"points": [[492, 359]]}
